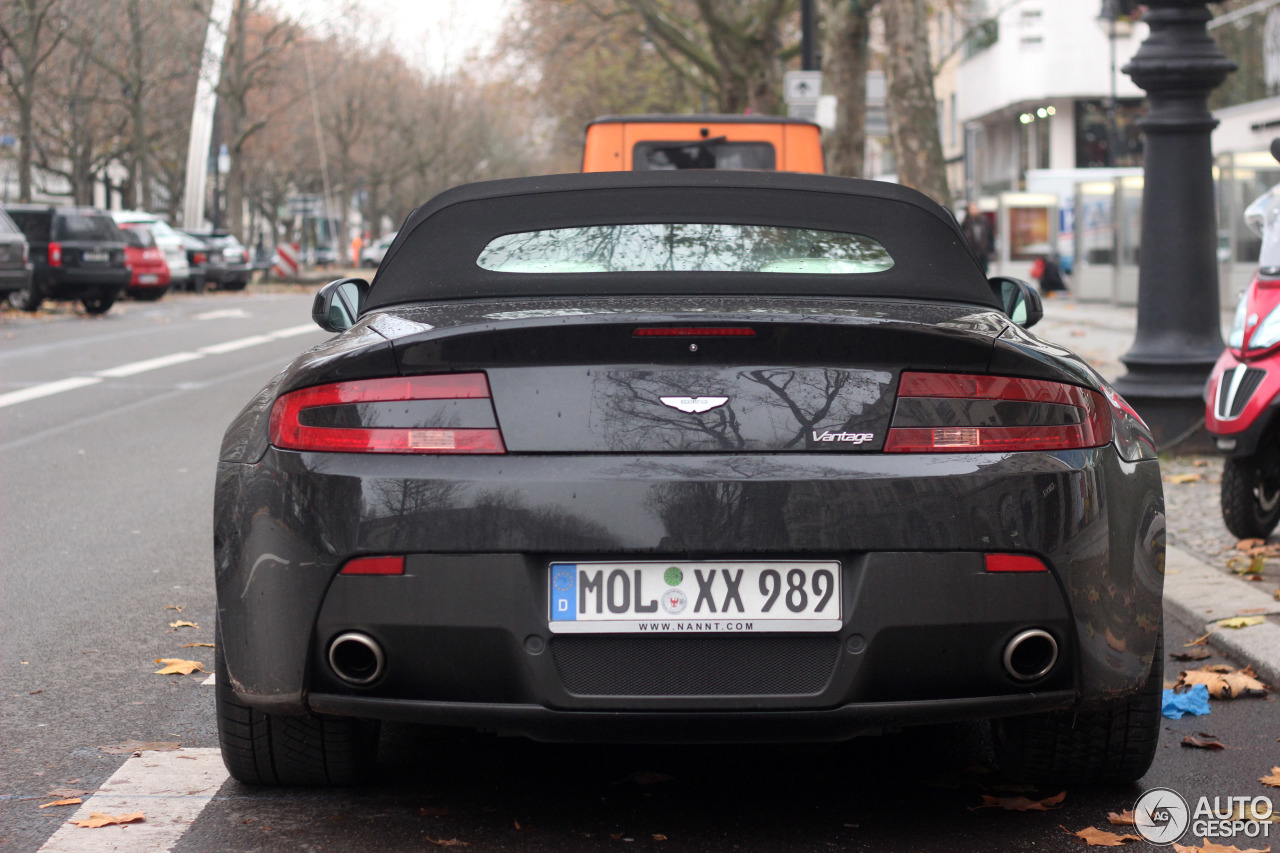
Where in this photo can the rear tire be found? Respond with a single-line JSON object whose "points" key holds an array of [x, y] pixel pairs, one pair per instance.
{"points": [[1250, 500], [1110, 743], [100, 304], [27, 299], [273, 749]]}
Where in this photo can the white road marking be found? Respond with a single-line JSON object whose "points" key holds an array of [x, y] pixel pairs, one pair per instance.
{"points": [[46, 389], [239, 343], [223, 313], [210, 681], [170, 788], [150, 364], [294, 331]]}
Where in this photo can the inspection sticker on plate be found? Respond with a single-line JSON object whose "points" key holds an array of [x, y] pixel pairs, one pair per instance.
{"points": [[696, 597]]}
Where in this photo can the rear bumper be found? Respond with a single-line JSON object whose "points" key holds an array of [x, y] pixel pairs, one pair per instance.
{"points": [[14, 279], [74, 282], [922, 623], [547, 724]]}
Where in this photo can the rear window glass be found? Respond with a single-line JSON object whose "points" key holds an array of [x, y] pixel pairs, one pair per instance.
{"points": [[34, 223], [685, 247], [137, 237], [6, 224], [85, 226], [704, 154]]}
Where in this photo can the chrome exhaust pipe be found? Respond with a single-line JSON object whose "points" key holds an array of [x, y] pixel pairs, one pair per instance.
{"points": [[1030, 655], [356, 658]]}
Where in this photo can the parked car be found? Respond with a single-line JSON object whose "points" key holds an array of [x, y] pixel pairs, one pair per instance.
{"points": [[167, 239], [197, 252], [323, 255], [228, 265], [372, 254], [78, 254], [151, 277], [686, 456], [15, 262]]}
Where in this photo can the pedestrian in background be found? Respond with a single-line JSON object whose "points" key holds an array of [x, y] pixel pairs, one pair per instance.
{"points": [[977, 231], [1048, 272]]}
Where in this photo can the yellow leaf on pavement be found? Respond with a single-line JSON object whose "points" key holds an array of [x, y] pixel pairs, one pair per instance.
{"points": [[1273, 780], [100, 819], [1101, 838], [72, 801], [178, 666], [1242, 621], [1224, 685], [1179, 479], [182, 623], [1124, 818]]}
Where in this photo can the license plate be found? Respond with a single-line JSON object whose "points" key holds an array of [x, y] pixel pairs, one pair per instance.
{"points": [[148, 279], [97, 257], [699, 598]]}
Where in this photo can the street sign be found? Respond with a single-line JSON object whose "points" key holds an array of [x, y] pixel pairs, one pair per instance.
{"points": [[801, 87]]}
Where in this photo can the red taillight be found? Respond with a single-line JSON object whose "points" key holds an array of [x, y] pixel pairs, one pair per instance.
{"points": [[694, 332], [955, 413], [289, 432], [1013, 563], [374, 566], [199, 257], [55, 254]]}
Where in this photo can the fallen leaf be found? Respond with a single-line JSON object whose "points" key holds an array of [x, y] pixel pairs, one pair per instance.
{"points": [[1242, 621], [433, 811], [1229, 685], [100, 819], [446, 842], [198, 646], [35, 692], [1021, 804], [181, 623], [1273, 780], [1199, 653], [66, 793], [1100, 837], [1179, 479], [1124, 818], [178, 666], [1199, 641], [1247, 544], [131, 746], [72, 801], [1217, 667], [1202, 743], [1255, 567], [658, 836], [177, 607]]}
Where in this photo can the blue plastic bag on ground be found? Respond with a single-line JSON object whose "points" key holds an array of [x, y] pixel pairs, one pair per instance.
{"points": [[1194, 701]]}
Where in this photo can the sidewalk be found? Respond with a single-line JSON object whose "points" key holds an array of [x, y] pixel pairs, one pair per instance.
{"points": [[1200, 587]]}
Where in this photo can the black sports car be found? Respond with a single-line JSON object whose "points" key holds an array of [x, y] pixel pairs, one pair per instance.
{"points": [[674, 457]]}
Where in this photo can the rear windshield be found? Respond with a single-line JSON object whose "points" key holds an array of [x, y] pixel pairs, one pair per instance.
{"points": [[34, 223], [6, 225], [705, 154], [685, 247], [137, 237], [87, 226]]}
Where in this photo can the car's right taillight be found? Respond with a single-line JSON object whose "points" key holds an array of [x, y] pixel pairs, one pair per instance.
{"points": [[55, 254], [959, 413], [407, 414], [199, 258]]}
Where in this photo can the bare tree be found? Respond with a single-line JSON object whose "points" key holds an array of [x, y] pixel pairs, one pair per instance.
{"points": [[912, 111], [30, 31]]}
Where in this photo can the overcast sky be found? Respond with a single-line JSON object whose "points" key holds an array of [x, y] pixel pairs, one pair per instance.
{"points": [[438, 34]]}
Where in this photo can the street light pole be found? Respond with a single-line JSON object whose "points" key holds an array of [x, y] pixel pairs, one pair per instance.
{"points": [[808, 37], [1178, 336]]}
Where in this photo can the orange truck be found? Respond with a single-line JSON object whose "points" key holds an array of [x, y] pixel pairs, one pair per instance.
{"points": [[663, 142]]}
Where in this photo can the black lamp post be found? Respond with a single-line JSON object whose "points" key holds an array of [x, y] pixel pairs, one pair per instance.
{"points": [[1179, 335]]}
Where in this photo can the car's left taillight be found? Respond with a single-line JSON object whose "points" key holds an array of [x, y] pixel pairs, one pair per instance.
{"points": [[441, 413], [959, 413]]}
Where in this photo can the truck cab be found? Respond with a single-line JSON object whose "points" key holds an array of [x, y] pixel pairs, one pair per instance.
{"points": [[665, 142]]}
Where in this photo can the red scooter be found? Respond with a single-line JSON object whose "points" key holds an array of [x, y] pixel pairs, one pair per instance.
{"points": [[1242, 398]]}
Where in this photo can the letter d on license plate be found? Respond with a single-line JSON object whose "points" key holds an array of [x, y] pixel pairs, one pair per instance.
{"points": [[701, 597]]}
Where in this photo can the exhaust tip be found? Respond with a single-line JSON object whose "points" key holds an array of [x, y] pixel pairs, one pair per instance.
{"points": [[356, 658], [1030, 655]]}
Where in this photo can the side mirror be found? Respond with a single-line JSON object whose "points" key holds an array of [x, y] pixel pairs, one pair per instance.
{"points": [[1019, 300], [338, 304]]}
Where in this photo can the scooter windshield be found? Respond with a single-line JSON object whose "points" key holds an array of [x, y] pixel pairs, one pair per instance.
{"points": [[1263, 218]]}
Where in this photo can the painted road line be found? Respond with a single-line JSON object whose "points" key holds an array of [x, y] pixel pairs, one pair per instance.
{"points": [[294, 331], [35, 392], [150, 364], [232, 346], [170, 788], [223, 313]]}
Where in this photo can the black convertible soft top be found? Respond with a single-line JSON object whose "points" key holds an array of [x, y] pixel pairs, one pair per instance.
{"points": [[434, 256]]}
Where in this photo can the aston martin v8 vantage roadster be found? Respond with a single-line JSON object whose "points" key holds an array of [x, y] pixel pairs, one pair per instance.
{"points": [[686, 457]]}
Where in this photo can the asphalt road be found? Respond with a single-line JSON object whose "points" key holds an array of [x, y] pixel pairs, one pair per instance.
{"points": [[105, 522]]}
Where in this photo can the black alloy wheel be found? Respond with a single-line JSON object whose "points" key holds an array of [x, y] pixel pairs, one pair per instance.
{"points": [[28, 298], [99, 304], [1250, 497]]}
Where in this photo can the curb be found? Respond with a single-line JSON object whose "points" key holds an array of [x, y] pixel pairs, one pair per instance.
{"points": [[1198, 595]]}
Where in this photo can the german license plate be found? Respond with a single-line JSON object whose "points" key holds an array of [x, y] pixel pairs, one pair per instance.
{"points": [[695, 597], [148, 279], [97, 257]]}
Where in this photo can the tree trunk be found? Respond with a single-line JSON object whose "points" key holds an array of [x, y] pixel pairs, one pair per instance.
{"points": [[26, 139], [845, 54], [912, 110], [139, 174]]}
